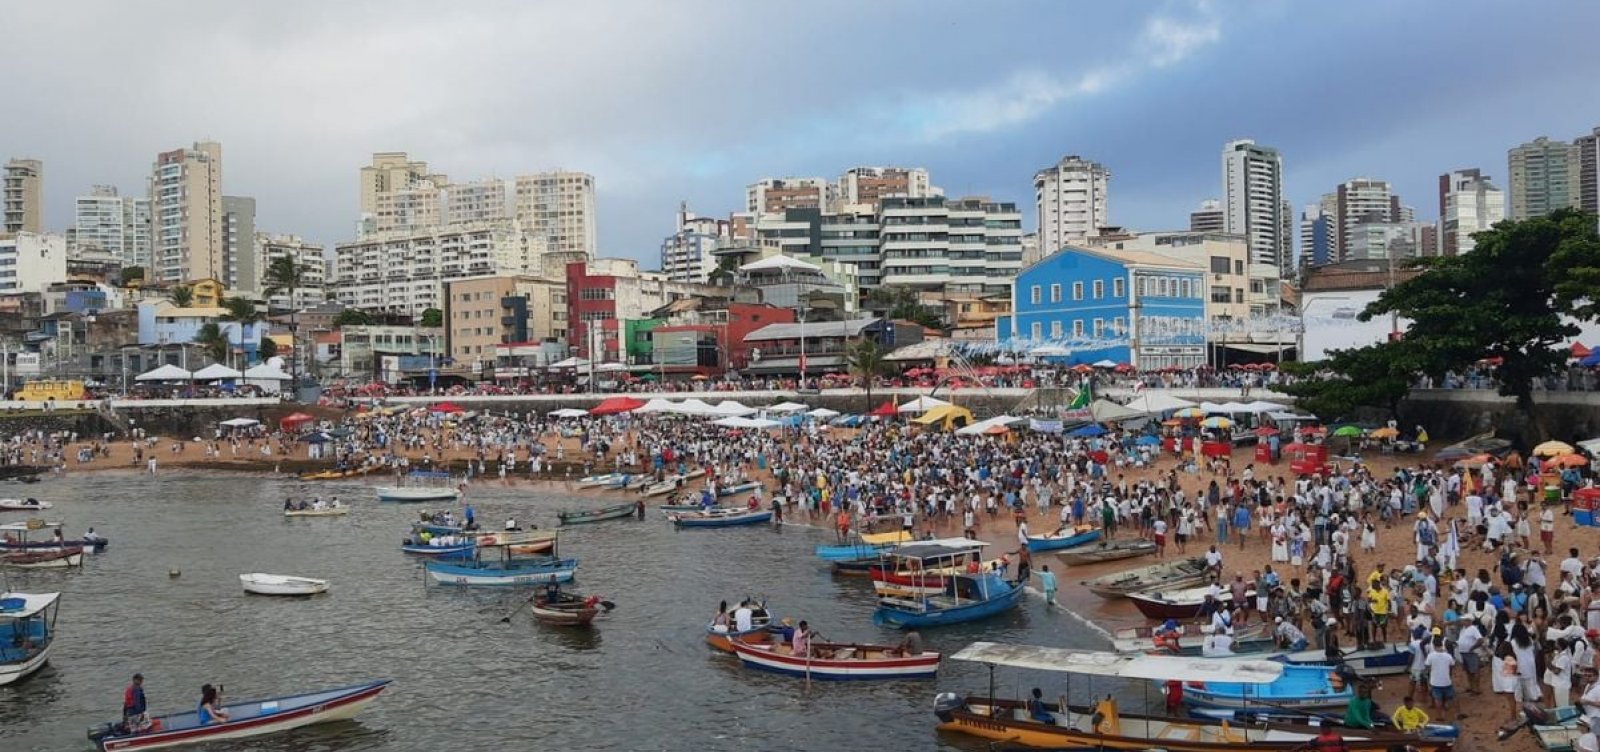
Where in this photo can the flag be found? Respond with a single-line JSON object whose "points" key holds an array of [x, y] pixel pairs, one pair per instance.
{"points": [[1045, 426], [1080, 397]]}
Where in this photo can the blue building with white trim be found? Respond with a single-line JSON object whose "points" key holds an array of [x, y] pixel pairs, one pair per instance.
{"points": [[1084, 305]]}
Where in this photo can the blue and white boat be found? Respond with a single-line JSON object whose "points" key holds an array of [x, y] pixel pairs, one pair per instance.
{"points": [[1381, 660], [866, 546], [965, 598], [1300, 688], [736, 492], [1063, 538], [721, 517], [513, 567], [27, 630], [245, 719]]}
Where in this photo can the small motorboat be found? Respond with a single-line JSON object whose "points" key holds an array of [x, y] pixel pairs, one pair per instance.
{"points": [[762, 628], [338, 511], [1300, 688], [44, 558], [39, 535], [245, 719], [613, 512], [1169, 575], [737, 493], [597, 481], [1063, 538], [27, 629], [1253, 638], [721, 517], [568, 610], [864, 546], [1188, 603], [278, 584], [421, 485], [838, 661], [1098, 551], [29, 504]]}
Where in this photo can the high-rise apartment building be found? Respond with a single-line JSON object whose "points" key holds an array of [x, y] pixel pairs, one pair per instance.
{"points": [[1070, 197], [1359, 201], [22, 197], [1589, 171], [687, 255], [559, 208], [1544, 177], [1318, 232], [866, 186], [392, 171], [111, 225], [241, 264], [1468, 203], [310, 259], [965, 246], [411, 208], [478, 201], [186, 213], [777, 195], [404, 272], [1208, 218], [1252, 200]]}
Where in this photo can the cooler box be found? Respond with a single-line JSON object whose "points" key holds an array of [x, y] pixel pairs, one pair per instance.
{"points": [[1585, 501], [1263, 452], [1552, 494]]}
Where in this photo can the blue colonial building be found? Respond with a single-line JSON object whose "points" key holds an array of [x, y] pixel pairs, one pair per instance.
{"points": [[1084, 305]]}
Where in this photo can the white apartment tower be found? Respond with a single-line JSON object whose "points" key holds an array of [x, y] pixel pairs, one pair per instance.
{"points": [[1468, 203], [1252, 201], [105, 222], [1071, 200], [308, 257], [777, 195], [1361, 201], [478, 201], [559, 208], [186, 214]]}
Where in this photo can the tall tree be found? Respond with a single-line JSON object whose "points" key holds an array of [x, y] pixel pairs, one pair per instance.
{"points": [[1516, 296], [182, 296], [214, 341], [284, 275], [865, 361], [241, 311]]}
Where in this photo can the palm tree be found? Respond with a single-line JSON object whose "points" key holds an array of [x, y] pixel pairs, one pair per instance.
{"points": [[865, 360], [241, 311], [214, 341], [284, 275], [182, 296]]}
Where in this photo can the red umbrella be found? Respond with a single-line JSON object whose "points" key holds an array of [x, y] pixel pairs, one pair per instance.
{"points": [[294, 420], [616, 405], [1266, 431], [448, 407], [1579, 350], [885, 410], [1123, 367]]}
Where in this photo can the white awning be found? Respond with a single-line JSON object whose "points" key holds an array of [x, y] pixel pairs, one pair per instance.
{"points": [[216, 371], [731, 407], [167, 372], [266, 372], [1155, 402], [824, 413], [32, 603], [786, 407], [779, 263], [569, 412], [240, 422], [1120, 665], [658, 405], [922, 405]]}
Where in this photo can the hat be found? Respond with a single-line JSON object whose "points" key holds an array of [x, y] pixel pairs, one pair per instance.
{"points": [[1278, 620], [1437, 631], [1331, 621]]}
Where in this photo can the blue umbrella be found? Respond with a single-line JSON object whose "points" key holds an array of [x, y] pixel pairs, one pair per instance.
{"points": [[1593, 359], [1148, 440], [1088, 431]]}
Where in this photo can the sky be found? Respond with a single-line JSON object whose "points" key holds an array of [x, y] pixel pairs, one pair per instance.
{"points": [[691, 100]]}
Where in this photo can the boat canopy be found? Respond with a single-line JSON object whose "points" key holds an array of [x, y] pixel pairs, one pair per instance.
{"points": [[32, 603], [28, 527], [884, 539], [938, 549], [1097, 663]]}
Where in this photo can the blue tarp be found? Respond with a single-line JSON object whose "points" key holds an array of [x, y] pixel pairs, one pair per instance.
{"points": [[1088, 431], [1148, 440], [1593, 359]]}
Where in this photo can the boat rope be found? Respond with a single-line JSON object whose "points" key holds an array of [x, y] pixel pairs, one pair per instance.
{"points": [[1093, 627]]}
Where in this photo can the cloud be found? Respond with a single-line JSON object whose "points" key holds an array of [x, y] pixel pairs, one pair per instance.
{"points": [[1171, 41]]}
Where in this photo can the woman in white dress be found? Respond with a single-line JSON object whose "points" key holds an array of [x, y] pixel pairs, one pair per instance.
{"points": [[1280, 542], [1369, 536]]}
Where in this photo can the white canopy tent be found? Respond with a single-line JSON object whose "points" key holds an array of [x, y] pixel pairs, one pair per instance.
{"points": [[568, 412], [658, 405], [693, 407], [823, 413], [983, 426], [216, 371], [1105, 364], [732, 407], [167, 372], [779, 263], [240, 422], [735, 421], [1156, 403], [1262, 406], [264, 372], [922, 405], [1105, 410], [786, 407]]}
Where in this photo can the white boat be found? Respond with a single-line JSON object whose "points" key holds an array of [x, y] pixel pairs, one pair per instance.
{"points": [[27, 629], [23, 505], [672, 483], [338, 511], [277, 584], [48, 558], [421, 485]]}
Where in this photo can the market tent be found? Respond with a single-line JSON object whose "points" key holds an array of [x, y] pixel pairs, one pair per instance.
{"points": [[267, 372], [294, 421], [1593, 359], [167, 372], [885, 410], [1003, 422], [1580, 350], [240, 422], [1088, 431], [568, 412], [922, 405], [1261, 406], [786, 407], [1105, 411], [693, 407], [658, 405], [824, 413], [947, 416], [216, 371], [1155, 403], [614, 405], [732, 407]]}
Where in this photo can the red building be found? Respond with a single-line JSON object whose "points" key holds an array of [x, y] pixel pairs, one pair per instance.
{"points": [[708, 341], [592, 307]]}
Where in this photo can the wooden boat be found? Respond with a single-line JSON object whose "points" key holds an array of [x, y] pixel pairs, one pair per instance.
{"points": [[1169, 575], [603, 479], [352, 472], [613, 512], [721, 517], [1188, 603], [671, 483], [27, 630], [39, 535], [1390, 659], [1064, 538], [509, 569], [1191, 640], [569, 610], [864, 546], [737, 493], [278, 584], [55, 558], [1301, 687], [246, 719], [1556, 730], [670, 509], [761, 629], [421, 485], [838, 661], [1380, 721], [338, 511], [1094, 553], [1103, 726], [29, 504]]}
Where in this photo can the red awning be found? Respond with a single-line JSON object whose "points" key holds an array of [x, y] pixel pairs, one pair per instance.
{"points": [[1579, 350], [447, 407], [885, 410], [294, 420], [615, 405]]}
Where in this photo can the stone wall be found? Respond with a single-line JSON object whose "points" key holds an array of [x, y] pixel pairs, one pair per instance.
{"points": [[1451, 414]]}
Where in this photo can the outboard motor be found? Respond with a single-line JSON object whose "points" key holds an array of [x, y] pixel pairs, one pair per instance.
{"points": [[945, 704]]}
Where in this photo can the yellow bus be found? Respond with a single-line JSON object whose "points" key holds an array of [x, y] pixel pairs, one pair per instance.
{"points": [[44, 390]]}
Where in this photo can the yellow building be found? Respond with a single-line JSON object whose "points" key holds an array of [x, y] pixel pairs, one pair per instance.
{"points": [[207, 293]]}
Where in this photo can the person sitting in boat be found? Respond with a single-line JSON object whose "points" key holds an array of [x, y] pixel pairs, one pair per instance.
{"points": [[334, 503], [800, 640], [721, 620], [288, 505], [552, 591], [1288, 635], [1037, 710], [92, 537], [911, 645], [133, 706], [211, 710], [1166, 636], [316, 503], [744, 617]]}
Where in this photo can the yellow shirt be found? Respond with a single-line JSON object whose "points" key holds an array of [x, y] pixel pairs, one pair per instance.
{"points": [[1372, 579], [1380, 602], [1409, 719]]}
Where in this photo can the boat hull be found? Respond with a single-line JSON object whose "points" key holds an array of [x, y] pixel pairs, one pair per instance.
{"points": [[615, 512], [769, 657], [1096, 553], [906, 618], [729, 520], [417, 495], [11, 673], [1153, 607], [342, 707], [1043, 544], [1388, 660], [1169, 576], [463, 551], [57, 558], [886, 581], [329, 512], [556, 617], [283, 586], [455, 574], [96, 545]]}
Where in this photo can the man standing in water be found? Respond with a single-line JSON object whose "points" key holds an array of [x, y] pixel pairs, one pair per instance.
{"points": [[1047, 580]]}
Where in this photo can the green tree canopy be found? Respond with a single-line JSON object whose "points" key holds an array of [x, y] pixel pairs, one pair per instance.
{"points": [[284, 275], [131, 273], [182, 296], [432, 317], [352, 317], [865, 361], [214, 341], [905, 303], [241, 310], [269, 348]]}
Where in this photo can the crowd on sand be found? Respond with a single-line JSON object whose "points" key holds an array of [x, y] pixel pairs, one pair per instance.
{"points": [[1492, 589]]}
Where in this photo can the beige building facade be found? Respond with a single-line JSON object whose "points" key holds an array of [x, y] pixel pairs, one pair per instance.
{"points": [[482, 313], [22, 191], [186, 213]]}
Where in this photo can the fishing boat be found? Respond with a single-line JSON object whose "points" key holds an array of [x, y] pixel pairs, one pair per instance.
{"points": [[762, 627], [38, 535], [613, 512], [737, 492], [56, 558], [338, 511], [679, 508], [911, 577], [973, 594], [422, 485], [671, 483], [864, 546], [1380, 721], [27, 629], [505, 565], [721, 517], [1169, 575], [261, 583], [1189, 603], [29, 504], [1068, 537], [245, 719], [1102, 726], [1094, 553], [602, 480], [1301, 687], [1190, 638], [568, 610], [838, 661], [1391, 659]]}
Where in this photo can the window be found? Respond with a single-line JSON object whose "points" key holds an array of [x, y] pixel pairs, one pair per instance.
{"points": [[1077, 328], [1238, 294], [1219, 294], [1077, 291], [1099, 289], [1037, 330], [1118, 286], [1163, 288], [1183, 288], [1257, 287], [1119, 327], [1219, 265], [1238, 268], [1055, 293], [1055, 330], [1033, 295], [1141, 283]]}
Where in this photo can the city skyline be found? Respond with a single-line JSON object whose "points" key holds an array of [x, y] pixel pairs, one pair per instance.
{"points": [[310, 94]]}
